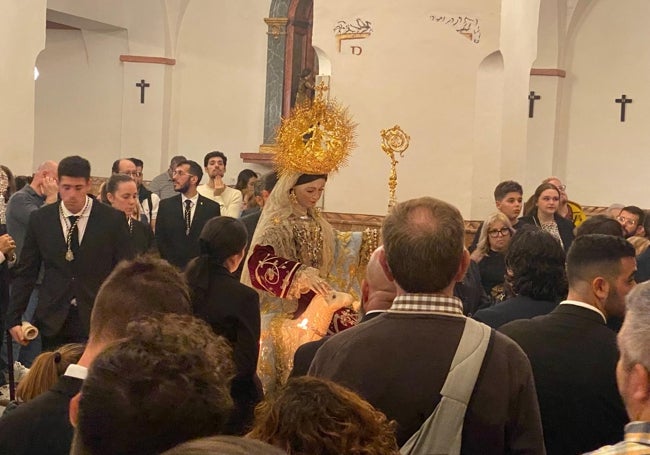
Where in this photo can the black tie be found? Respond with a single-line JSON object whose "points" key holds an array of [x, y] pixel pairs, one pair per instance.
{"points": [[74, 238], [188, 217]]}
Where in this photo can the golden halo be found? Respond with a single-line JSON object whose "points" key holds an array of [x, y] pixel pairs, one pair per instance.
{"points": [[315, 139]]}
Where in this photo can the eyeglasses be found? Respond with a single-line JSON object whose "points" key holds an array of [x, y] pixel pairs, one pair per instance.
{"points": [[560, 187], [495, 233], [628, 221], [134, 174], [181, 173]]}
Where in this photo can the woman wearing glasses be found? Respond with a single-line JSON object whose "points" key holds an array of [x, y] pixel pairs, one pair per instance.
{"points": [[490, 254], [544, 214]]}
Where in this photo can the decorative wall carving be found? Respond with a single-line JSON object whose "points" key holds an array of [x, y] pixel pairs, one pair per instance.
{"points": [[357, 29]]}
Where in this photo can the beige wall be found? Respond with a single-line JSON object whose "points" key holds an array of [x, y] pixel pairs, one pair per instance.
{"points": [[424, 76], [606, 160]]}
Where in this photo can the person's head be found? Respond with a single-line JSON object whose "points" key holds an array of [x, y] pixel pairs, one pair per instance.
{"points": [[124, 166], [632, 219], [632, 370], [167, 382], [600, 224], [424, 249], [138, 288], [224, 445], [122, 193], [266, 185], [74, 182], [377, 291], [139, 167], [600, 269], [508, 199], [245, 180], [312, 415], [223, 241], [546, 200], [46, 369], [173, 163], [560, 186], [495, 234], [8, 184], [187, 176], [308, 190], [215, 164], [535, 265], [46, 169]]}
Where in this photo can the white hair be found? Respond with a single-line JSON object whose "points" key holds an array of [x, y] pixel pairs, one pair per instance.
{"points": [[634, 337]]}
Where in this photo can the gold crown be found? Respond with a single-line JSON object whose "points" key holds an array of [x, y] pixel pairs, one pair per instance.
{"points": [[316, 138]]}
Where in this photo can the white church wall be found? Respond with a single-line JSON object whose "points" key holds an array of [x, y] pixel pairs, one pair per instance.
{"points": [[607, 160], [78, 106], [22, 37], [422, 75], [219, 81]]}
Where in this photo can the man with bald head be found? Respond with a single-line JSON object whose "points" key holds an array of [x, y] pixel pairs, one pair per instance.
{"points": [[43, 190], [377, 294]]}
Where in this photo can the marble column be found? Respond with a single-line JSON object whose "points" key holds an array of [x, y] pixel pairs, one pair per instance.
{"points": [[277, 32]]}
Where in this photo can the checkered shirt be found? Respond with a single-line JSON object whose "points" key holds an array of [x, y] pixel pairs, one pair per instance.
{"points": [[427, 303], [637, 441]]}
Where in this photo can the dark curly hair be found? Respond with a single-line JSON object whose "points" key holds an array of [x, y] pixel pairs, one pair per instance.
{"points": [[535, 261], [312, 416], [167, 382]]}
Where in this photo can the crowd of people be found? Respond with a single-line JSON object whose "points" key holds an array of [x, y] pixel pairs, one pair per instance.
{"points": [[178, 317]]}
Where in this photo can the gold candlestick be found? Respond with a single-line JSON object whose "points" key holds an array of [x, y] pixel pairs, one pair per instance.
{"points": [[394, 140]]}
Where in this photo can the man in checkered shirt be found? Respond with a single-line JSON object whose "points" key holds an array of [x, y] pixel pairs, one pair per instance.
{"points": [[400, 360]]}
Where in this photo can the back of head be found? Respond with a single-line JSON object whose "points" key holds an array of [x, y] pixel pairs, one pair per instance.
{"points": [[137, 161], [600, 224], [536, 261], [595, 255], [138, 288], [224, 445], [195, 169], [634, 337], [503, 188], [74, 166], [166, 383], [424, 240], [46, 369], [311, 415], [269, 180]]}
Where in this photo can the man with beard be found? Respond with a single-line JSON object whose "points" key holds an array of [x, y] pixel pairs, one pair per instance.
{"points": [[572, 351], [182, 217], [229, 199]]}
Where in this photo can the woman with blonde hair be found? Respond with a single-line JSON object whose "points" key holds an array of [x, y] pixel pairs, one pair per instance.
{"points": [[45, 371], [490, 254], [315, 416]]}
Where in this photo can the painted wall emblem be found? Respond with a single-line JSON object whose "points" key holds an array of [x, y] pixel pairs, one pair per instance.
{"points": [[465, 25], [353, 30]]}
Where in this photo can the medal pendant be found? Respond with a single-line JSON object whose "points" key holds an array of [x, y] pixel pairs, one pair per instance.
{"points": [[69, 256]]}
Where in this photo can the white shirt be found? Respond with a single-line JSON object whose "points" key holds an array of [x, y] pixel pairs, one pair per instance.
{"points": [[82, 222], [194, 200], [230, 201], [584, 305], [76, 371]]}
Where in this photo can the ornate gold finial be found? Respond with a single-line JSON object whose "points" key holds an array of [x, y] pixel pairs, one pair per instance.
{"points": [[316, 138], [394, 140]]}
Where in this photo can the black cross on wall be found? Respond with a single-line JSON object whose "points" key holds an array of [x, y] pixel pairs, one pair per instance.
{"points": [[623, 100], [143, 85], [531, 103]]}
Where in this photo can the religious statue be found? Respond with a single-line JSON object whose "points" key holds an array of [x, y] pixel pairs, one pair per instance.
{"points": [[305, 271], [306, 87]]}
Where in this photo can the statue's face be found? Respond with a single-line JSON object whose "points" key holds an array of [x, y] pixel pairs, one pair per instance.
{"points": [[309, 193]]}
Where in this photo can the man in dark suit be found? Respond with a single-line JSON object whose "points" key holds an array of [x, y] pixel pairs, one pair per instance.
{"points": [[399, 360], [377, 294], [182, 217], [144, 287], [79, 241], [574, 354]]}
